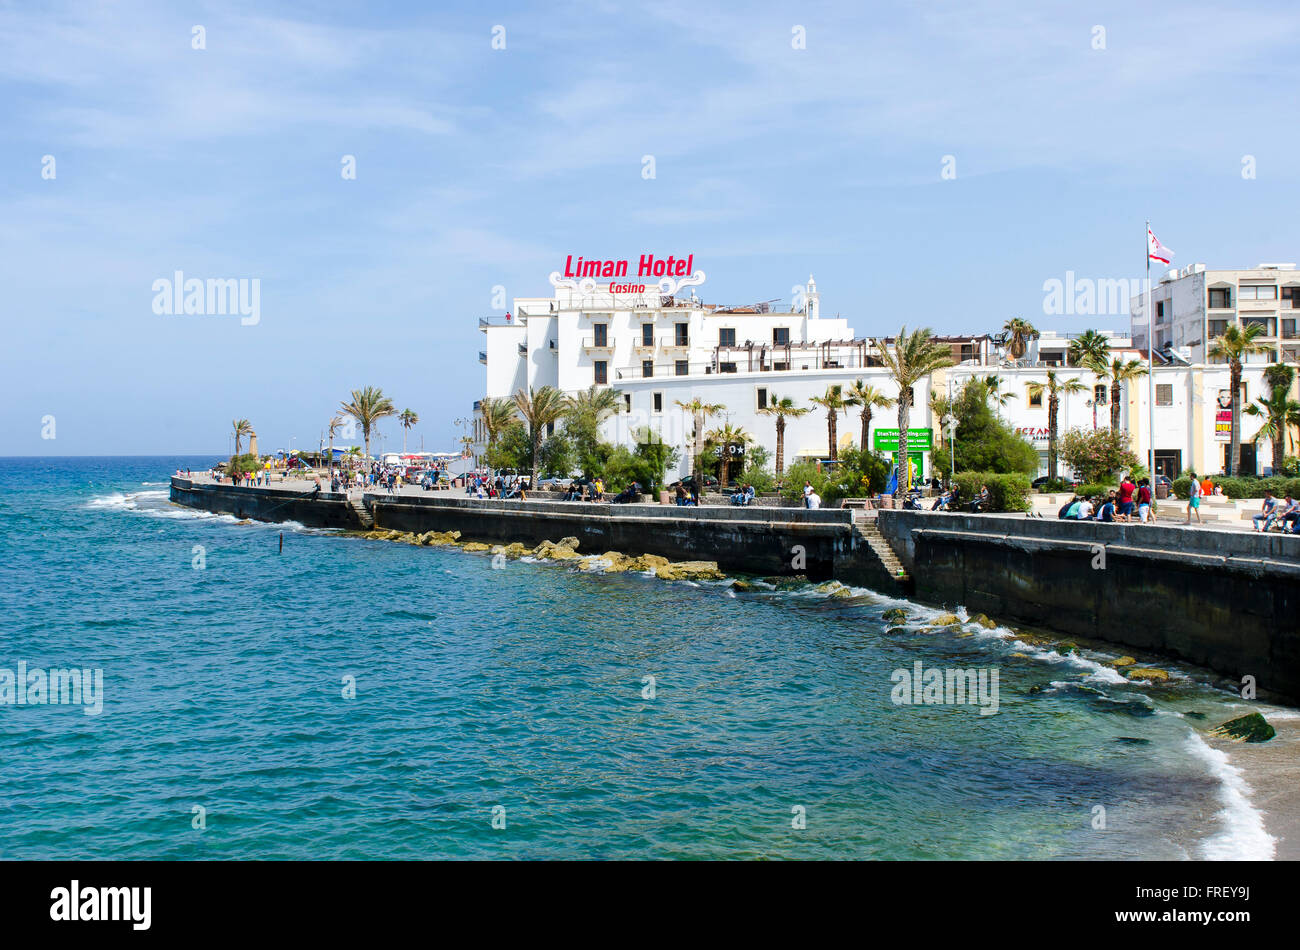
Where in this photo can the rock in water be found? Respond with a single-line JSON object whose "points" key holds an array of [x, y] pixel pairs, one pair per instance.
{"points": [[894, 614], [1066, 647], [689, 571], [569, 543], [943, 620], [1252, 728], [984, 621], [1122, 662], [1143, 674], [476, 546]]}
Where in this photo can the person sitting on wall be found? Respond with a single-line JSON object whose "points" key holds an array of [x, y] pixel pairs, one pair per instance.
{"points": [[1107, 510], [981, 501], [744, 496], [1070, 510], [1288, 516], [628, 495], [1266, 511]]}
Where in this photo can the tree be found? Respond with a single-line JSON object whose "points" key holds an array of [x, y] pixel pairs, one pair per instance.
{"points": [[982, 441], [583, 414], [834, 401], [368, 406], [497, 414], [1054, 387], [1089, 349], [781, 407], [699, 411], [242, 427], [1279, 411], [993, 385], [1117, 373], [1097, 455], [1232, 347], [1019, 332], [539, 409], [915, 357], [723, 438], [870, 399], [409, 419]]}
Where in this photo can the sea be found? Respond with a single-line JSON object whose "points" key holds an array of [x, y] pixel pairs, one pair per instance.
{"points": [[270, 691]]}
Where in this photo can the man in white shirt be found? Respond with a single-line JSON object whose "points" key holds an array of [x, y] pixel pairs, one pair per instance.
{"points": [[1085, 510]]}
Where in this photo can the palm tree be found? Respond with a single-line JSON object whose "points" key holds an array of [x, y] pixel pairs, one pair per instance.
{"points": [[1087, 349], [593, 406], [869, 398], [242, 428], [1117, 373], [336, 423], [497, 414], [782, 406], [699, 411], [1279, 411], [368, 406], [1019, 332], [539, 408], [1235, 343], [834, 402], [993, 387], [409, 418], [915, 357], [1054, 387], [724, 437]]}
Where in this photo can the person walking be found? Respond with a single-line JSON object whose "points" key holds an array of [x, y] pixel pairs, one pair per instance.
{"points": [[1194, 500]]}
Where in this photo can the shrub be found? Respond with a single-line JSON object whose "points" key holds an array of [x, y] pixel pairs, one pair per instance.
{"points": [[239, 464], [1053, 485], [1095, 455], [1093, 489], [1182, 486], [1007, 492]]}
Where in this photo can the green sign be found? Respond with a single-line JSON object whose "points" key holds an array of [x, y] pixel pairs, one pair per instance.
{"points": [[918, 440]]}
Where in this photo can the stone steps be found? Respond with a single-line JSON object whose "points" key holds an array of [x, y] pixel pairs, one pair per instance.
{"points": [[363, 513], [868, 531]]}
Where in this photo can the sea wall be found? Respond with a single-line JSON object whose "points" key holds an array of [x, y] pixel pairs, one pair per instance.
{"points": [[754, 540], [819, 543], [1229, 601], [326, 510]]}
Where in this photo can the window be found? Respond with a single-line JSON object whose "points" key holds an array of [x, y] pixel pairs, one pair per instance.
{"points": [[602, 334], [762, 397], [1288, 328], [659, 402], [780, 336], [1220, 298], [602, 372], [1265, 323], [682, 337], [1099, 394], [681, 368], [647, 334], [1218, 328], [1160, 309], [1265, 292], [550, 429], [1164, 394], [780, 366], [627, 401], [1293, 295], [726, 367], [647, 368], [727, 336], [1034, 398]]}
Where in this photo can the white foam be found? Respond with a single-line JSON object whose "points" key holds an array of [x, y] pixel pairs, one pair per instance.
{"points": [[1243, 837]]}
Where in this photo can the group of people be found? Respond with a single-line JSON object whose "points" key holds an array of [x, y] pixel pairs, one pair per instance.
{"points": [[1132, 500], [1285, 514], [593, 491], [810, 497], [496, 486]]}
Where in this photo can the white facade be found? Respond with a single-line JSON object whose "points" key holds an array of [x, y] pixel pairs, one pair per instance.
{"points": [[1194, 305], [659, 350]]}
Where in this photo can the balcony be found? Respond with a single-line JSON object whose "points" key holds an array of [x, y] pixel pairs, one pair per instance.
{"points": [[523, 349], [675, 345], [482, 357], [592, 345], [485, 323]]}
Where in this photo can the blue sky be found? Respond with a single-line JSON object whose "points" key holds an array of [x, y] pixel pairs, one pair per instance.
{"points": [[478, 167]]}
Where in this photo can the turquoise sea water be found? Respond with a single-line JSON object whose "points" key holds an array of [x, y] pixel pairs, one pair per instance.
{"points": [[520, 690]]}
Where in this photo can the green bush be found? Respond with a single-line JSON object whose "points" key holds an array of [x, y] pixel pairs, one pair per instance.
{"points": [[1007, 492], [1182, 486], [1093, 489], [857, 474], [1054, 485], [239, 464]]}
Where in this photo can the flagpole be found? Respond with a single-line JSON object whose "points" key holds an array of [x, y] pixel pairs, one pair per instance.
{"points": [[1151, 369]]}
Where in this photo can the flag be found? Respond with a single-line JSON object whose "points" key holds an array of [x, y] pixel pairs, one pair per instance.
{"points": [[1157, 251]]}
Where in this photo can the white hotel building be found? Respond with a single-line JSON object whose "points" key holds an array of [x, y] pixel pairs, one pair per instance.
{"points": [[657, 350]]}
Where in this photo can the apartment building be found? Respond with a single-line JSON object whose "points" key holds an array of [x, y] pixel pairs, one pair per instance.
{"points": [[1194, 305]]}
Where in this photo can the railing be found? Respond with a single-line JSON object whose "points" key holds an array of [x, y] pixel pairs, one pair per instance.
{"points": [[482, 358], [591, 343]]}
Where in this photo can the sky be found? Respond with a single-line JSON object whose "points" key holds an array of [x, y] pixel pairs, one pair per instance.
{"points": [[931, 163]]}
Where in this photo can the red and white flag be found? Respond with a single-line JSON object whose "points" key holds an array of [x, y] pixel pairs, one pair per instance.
{"points": [[1157, 251]]}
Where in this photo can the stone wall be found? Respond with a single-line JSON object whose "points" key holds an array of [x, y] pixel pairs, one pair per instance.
{"points": [[326, 510], [1225, 600]]}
